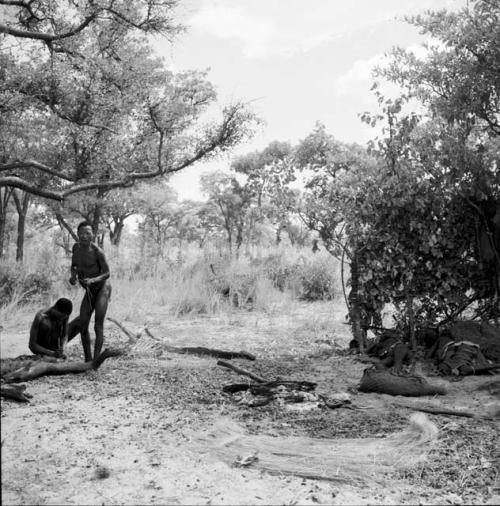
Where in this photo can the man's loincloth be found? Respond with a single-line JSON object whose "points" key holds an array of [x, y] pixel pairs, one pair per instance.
{"points": [[93, 290]]}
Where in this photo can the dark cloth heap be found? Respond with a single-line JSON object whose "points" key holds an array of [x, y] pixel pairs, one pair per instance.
{"points": [[467, 348]]}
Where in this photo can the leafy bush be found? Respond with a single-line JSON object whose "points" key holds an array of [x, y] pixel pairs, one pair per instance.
{"points": [[197, 303], [237, 288], [282, 273], [317, 279], [20, 286]]}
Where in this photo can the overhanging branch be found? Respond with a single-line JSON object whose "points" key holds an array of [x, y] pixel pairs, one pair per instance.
{"points": [[47, 37], [122, 182], [33, 164]]}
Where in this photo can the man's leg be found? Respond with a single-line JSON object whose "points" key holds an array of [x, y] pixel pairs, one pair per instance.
{"points": [[74, 328], [401, 354], [85, 315], [101, 306]]}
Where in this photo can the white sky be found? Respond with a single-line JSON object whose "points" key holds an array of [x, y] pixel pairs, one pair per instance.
{"points": [[298, 61]]}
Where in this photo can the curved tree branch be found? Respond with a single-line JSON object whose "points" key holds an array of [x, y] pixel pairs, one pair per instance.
{"points": [[33, 164], [47, 37], [121, 182], [152, 22], [65, 225]]}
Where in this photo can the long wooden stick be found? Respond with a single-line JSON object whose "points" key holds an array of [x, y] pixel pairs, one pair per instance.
{"points": [[202, 351], [241, 371], [41, 368], [210, 352], [438, 410]]}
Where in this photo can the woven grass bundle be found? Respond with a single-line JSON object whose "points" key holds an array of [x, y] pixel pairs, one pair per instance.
{"points": [[339, 460]]}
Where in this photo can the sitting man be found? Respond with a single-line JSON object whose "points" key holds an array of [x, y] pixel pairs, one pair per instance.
{"points": [[50, 331], [390, 350]]}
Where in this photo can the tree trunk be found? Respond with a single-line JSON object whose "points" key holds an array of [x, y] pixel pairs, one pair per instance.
{"points": [[97, 217], [411, 320], [100, 240], [22, 205], [5, 195], [229, 238], [239, 240], [67, 233], [3, 219], [278, 234], [115, 234], [354, 304]]}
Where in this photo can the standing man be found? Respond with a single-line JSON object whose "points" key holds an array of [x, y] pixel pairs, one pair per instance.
{"points": [[90, 267]]}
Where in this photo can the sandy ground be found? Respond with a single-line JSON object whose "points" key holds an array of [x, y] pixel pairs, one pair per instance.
{"points": [[125, 434]]}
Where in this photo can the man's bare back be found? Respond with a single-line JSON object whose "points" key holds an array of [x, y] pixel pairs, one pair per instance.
{"points": [[50, 331]]}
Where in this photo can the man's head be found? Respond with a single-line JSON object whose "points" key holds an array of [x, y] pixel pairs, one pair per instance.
{"points": [[63, 308], [84, 231]]}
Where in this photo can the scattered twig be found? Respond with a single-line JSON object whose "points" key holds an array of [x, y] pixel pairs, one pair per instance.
{"points": [[132, 338], [264, 388], [241, 371]]}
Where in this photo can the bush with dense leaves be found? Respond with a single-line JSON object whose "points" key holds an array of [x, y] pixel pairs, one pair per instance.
{"points": [[17, 284], [317, 280], [281, 272]]}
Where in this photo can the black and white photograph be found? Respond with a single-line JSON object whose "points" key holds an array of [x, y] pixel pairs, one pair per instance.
{"points": [[250, 252]]}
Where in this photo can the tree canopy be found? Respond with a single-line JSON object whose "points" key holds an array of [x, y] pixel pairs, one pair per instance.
{"points": [[86, 105]]}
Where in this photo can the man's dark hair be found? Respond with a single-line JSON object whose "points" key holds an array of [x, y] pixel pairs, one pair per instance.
{"points": [[64, 306], [83, 224]]}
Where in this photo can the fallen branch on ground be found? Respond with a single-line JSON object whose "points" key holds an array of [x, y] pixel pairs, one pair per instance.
{"points": [[438, 410], [15, 392], [202, 351], [242, 371], [36, 369], [210, 352], [262, 388], [132, 338], [183, 350]]}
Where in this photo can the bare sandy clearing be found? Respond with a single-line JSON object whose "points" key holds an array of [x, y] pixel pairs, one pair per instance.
{"points": [[122, 435]]}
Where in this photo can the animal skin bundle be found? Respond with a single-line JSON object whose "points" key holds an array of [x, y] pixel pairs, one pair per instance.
{"points": [[382, 381], [340, 460]]}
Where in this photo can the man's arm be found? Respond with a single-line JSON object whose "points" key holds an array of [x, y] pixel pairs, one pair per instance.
{"points": [[34, 347], [63, 340], [74, 267]]}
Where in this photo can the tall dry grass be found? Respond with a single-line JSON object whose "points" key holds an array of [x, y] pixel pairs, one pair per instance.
{"points": [[185, 282]]}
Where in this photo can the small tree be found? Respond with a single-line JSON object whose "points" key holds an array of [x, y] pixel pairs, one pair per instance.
{"points": [[233, 201], [337, 176]]}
